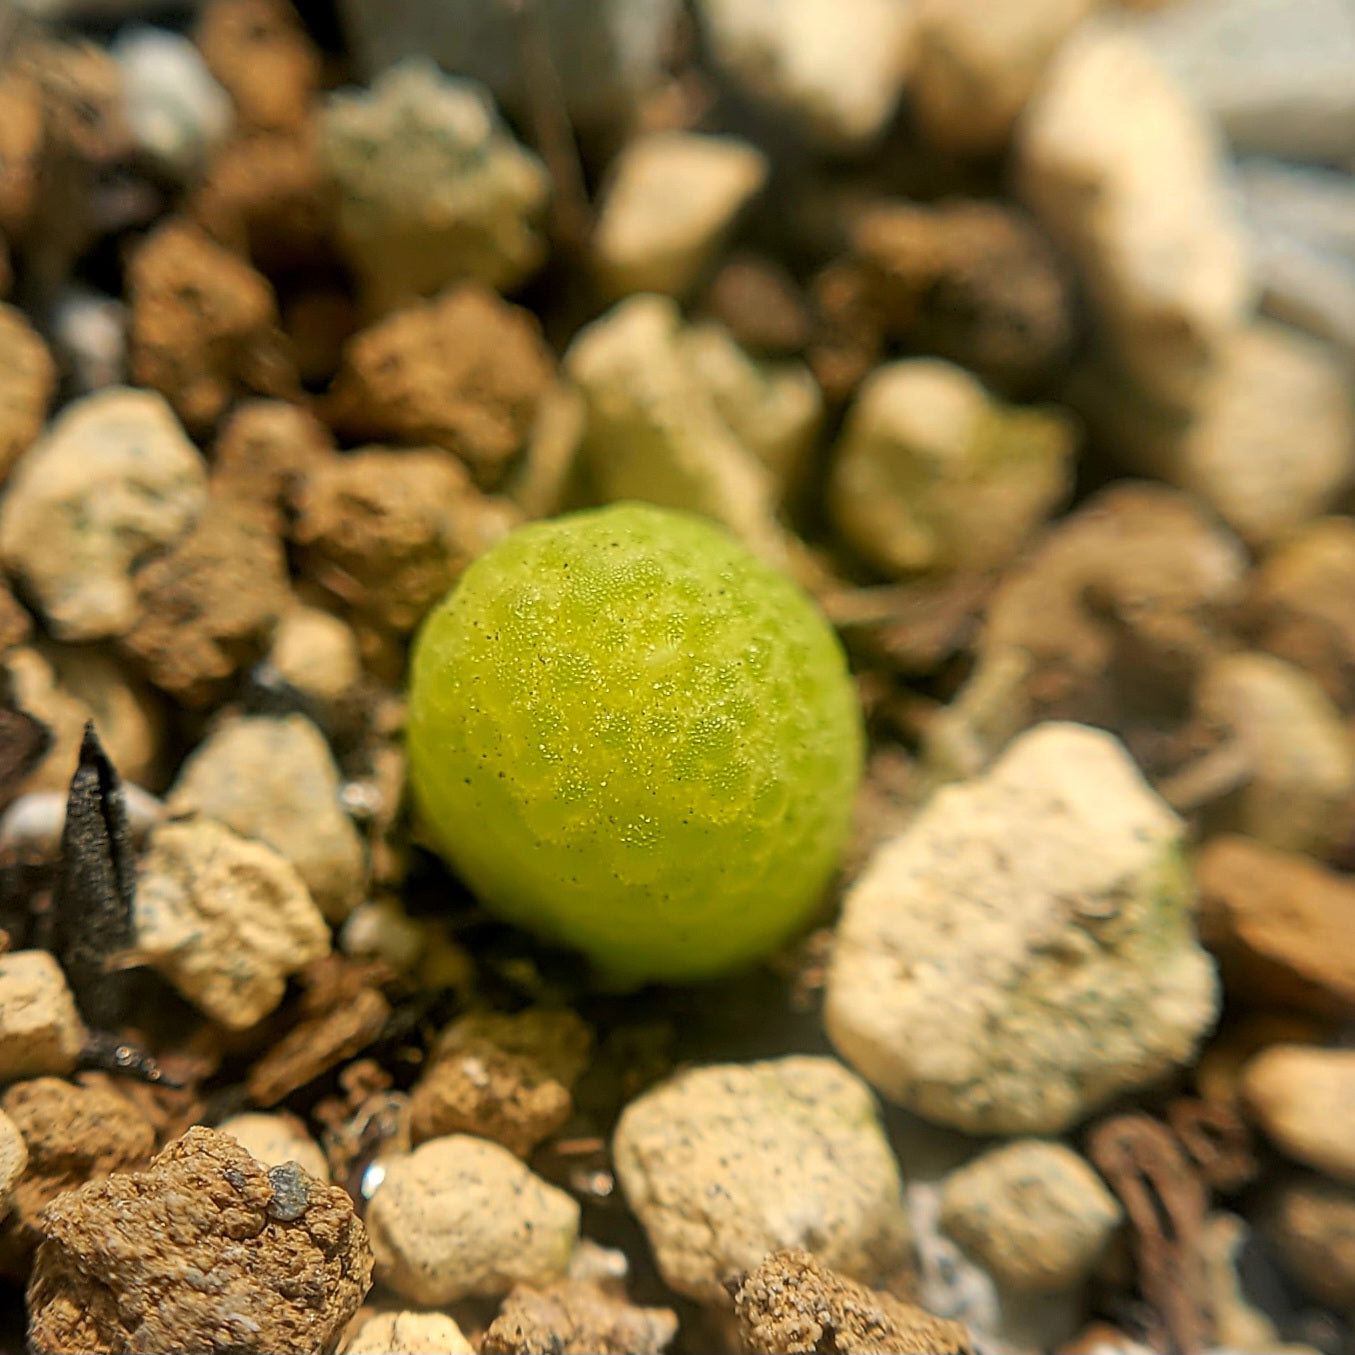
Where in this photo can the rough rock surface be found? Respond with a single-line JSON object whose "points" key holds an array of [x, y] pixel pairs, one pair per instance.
{"points": [[725, 1163], [206, 606], [260, 53], [316, 653], [503, 1077], [1304, 1099], [1126, 175], [407, 1333], [27, 384], [670, 202], [1301, 758], [838, 71], [72, 1134], [275, 780], [466, 371], [932, 475], [276, 1139], [1311, 1224], [432, 188], [204, 326], [388, 532], [462, 1217], [655, 431], [1023, 950], [226, 920], [286, 1254], [1281, 926], [1300, 605], [574, 1318], [13, 1159], [110, 482], [791, 1302], [1033, 1212], [40, 1030]]}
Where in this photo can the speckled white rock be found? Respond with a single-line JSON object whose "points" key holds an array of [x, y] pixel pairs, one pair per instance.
{"points": [[670, 202], [1302, 761], [275, 780], [176, 111], [1271, 441], [432, 188], [410, 1333], [461, 1217], [1304, 1099], [838, 70], [726, 1163], [89, 331], [40, 1030], [1126, 176], [275, 1139], [1033, 1212], [224, 919], [1023, 950], [978, 62], [932, 474], [113, 480], [316, 653], [13, 1158], [654, 430]]}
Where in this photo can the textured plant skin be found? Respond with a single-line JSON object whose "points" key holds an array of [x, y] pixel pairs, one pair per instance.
{"points": [[629, 735]]}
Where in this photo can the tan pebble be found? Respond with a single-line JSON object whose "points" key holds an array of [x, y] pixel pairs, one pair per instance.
{"points": [[1311, 1224], [27, 384], [275, 1139], [40, 1030], [13, 1159], [574, 1317], [409, 1333], [1304, 1099]]}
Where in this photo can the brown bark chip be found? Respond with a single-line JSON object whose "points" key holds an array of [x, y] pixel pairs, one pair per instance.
{"points": [[793, 1303], [464, 371], [204, 326], [206, 1250], [570, 1318]]}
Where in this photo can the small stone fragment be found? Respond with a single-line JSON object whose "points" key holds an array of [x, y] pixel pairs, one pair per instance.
{"points": [[204, 326], [1304, 1099], [466, 371], [1240, 1324], [725, 1163], [277, 1139], [461, 1217], [89, 338], [389, 532], [1311, 1224], [505, 1078], [975, 282], [177, 113], [933, 475], [27, 384], [262, 448], [977, 64], [259, 51], [275, 780], [410, 1333], [72, 1134], [655, 431], [668, 207], [1281, 926], [67, 685], [116, 1271], [1023, 951], [1300, 605], [1269, 442], [111, 481], [13, 1160], [432, 188], [206, 606], [316, 654], [1127, 177], [317, 1044], [572, 1318], [758, 302], [40, 1030], [836, 70], [1300, 755], [224, 919], [791, 1302], [16, 625], [1033, 1212]]}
